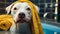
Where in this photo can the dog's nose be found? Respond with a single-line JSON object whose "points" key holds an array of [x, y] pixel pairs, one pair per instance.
{"points": [[21, 15]]}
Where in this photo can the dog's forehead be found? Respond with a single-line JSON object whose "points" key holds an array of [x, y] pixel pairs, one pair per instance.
{"points": [[20, 4]]}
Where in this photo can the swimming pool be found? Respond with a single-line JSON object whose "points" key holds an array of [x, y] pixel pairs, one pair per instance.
{"points": [[50, 29]]}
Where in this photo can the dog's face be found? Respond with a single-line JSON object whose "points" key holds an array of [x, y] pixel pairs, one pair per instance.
{"points": [[21, 12]]}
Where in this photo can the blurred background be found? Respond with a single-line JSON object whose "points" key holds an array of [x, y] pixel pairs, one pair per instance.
{"points": [[49, 14]]}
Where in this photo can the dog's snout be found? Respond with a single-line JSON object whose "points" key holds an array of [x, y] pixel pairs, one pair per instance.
{"points": [[21, 15]]}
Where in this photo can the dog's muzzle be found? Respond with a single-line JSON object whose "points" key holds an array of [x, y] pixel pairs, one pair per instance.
{"points": [[21, 18]]}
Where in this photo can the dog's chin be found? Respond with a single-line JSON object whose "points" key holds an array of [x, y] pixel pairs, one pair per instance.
{"points": [[20, 21]]}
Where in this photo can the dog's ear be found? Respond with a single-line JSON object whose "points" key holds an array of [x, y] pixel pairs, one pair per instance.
{"points": [[37, 8], [8, 9]]}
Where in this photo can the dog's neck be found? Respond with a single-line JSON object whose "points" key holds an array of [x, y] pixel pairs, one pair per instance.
{"points": [[22, 26]]}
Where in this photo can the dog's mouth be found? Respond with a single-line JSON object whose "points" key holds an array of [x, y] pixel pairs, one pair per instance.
{"points": [[21, 20]]}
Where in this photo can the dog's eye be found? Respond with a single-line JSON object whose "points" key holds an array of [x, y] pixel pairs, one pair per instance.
{"points": [[28, 9], [15, 8]]}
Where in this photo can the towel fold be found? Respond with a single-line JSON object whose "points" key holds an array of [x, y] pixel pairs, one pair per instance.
{"points": [[5, 22]]}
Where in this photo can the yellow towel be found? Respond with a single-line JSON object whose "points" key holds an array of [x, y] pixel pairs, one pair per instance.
{"points": [[5, 22], [36, 24]]}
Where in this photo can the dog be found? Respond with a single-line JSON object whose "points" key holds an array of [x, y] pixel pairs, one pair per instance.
{"points": [[21, 13]]}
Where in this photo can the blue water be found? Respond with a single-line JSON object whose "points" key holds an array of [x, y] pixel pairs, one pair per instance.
{"points": [[50, 29], [46, 31]]}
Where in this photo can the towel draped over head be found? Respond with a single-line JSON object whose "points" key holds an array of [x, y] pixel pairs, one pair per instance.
{"points": [[36, 24]]}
